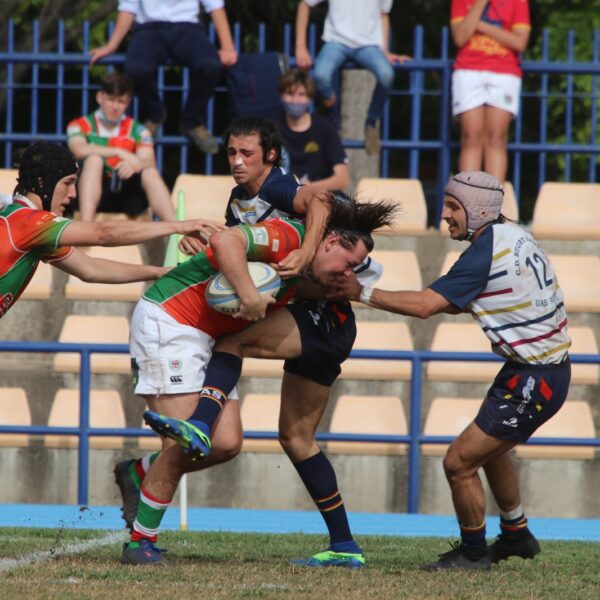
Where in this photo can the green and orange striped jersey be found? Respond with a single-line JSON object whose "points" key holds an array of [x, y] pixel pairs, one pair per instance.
{"points": [[27, 236], [181, 292], [129, 134]]}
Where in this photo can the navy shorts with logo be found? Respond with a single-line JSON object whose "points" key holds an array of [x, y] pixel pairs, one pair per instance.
{"points": [[522, 398], [327, 332]]}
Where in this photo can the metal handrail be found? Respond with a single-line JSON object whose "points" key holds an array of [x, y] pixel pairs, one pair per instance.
{"points": [[414, 438]]}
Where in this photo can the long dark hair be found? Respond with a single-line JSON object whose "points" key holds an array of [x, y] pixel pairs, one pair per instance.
{"points": [[354, 221]]}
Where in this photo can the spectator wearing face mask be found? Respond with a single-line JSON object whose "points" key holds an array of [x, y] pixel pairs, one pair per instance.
{"points": [[312, 147]]}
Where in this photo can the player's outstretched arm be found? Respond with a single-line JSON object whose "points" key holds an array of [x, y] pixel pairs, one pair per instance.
{"points": [[125, 233], [99, 270], [421, 304]]}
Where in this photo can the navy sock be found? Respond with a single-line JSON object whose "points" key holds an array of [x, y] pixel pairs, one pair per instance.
{"points": [[474, 539], [318, 476], [222, 374]]}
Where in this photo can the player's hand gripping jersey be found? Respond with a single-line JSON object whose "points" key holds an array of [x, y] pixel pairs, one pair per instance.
{"points": [[27, 236], [181, 292]]}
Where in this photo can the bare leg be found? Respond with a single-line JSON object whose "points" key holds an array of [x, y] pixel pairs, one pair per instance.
{"points": [[495, 155], [162, 478], [504, 483], [471, 450], [90, 187], [302, 405], [472, 124], [277, 336], [158, 195]]}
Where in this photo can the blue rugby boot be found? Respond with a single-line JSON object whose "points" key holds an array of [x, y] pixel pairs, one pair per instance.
{"points": [[191, 438], [143, 552]]}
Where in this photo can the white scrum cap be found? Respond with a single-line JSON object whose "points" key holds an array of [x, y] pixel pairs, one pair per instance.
{"points": [[480, 194]]}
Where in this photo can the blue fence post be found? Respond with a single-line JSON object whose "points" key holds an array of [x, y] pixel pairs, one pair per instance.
{"points": [[594, 108], [83, 464], [10, 82], [414, 447], [444, 162], [416, 88]]}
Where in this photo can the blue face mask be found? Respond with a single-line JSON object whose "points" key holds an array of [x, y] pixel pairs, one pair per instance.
{"points": [[297, 109], [108, 122]]}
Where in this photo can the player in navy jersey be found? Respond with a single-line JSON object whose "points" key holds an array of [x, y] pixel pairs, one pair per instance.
{"points": [[507, 283]]}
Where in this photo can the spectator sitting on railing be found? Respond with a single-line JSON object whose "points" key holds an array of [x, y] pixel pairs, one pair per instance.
{"points": [[32, 228], [172, 30], [486, 83], [311, 144], [354, 30], [505, 280], [119, 168]]}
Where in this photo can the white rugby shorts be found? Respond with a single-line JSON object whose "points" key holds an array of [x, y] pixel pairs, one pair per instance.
{"points": [[167, 357], [472, 89]]}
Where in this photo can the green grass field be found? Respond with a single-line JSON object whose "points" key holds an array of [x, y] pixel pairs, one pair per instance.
{"points": [[41, 563]]}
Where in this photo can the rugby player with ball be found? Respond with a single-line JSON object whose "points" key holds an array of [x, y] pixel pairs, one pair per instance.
{"points": [[173, 330]]}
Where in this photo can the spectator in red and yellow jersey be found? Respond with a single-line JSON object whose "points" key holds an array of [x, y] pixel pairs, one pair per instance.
{"points": [[486, 83], [119, 171]]}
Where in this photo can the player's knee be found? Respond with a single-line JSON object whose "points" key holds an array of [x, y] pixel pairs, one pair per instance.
{"points": [[227, 447], [295, 445], [454, 467]]}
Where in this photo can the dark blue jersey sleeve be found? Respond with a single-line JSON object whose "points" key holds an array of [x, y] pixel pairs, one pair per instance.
{"points": [[469, 275], [279, 191]]}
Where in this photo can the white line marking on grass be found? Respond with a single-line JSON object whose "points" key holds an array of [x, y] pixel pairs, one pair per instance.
{"points": [[7, 564]]}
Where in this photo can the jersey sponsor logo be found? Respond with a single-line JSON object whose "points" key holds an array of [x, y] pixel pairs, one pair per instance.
{"points": [[512, 422], [176, 379], [260, 236], [175, 365]]}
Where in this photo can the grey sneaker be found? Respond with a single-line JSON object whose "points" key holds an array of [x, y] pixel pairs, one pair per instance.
{"points": [[372, 139], [130, 492], [203, 139]]}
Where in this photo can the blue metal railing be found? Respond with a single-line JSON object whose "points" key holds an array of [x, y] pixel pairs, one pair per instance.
{"points": [[426, 78], [414, 439]]}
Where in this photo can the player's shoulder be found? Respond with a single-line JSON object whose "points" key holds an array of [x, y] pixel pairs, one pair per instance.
{"points": [[278, 178]]}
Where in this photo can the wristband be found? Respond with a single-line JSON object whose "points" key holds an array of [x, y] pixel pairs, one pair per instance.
{"points": [[365, 294]]}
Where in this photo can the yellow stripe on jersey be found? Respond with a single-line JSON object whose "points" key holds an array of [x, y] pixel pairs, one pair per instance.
{"points": [[498, 311], [501, 254], [558, 348]]}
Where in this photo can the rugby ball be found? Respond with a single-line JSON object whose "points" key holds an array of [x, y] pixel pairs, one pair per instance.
{"points": [[221, 296]]}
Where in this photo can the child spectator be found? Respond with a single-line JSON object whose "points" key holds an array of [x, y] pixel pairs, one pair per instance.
{"points": [[311, 143], [119, 171]]}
